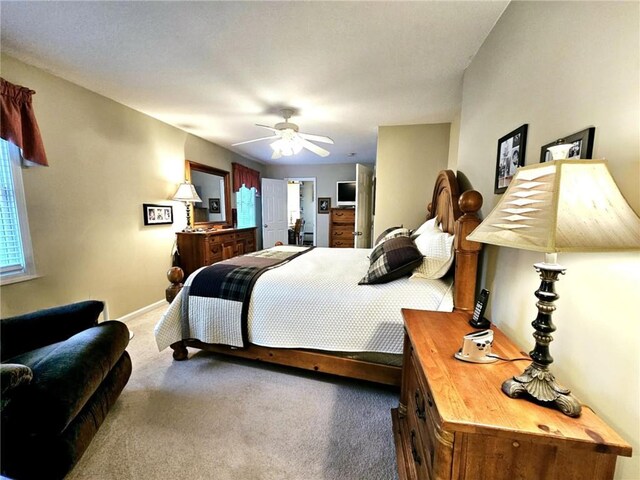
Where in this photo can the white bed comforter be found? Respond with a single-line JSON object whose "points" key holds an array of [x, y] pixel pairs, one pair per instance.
{"points": [[314, 301]]}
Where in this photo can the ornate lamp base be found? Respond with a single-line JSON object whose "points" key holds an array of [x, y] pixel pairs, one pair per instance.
{"points": [[538, 382], [188, 228]]}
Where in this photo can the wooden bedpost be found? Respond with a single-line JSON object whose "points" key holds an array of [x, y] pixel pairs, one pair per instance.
{"points": [[467, 251], [180, 351]]}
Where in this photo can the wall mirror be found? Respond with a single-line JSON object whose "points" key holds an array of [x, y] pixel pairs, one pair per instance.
{"points": [[213, 187]]}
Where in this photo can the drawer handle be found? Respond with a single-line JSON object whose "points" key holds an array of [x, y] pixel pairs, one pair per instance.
{"points": [[414, 449], [420, 407], [337, 233]]}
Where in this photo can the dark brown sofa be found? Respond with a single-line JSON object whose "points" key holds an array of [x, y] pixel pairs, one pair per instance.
{"points": [[61, 371]]}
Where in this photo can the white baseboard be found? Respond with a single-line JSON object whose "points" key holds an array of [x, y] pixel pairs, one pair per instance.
{"points": [[142, 311]]}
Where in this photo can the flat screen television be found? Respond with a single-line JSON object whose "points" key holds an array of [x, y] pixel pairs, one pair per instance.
{"points": [[346, 193]]}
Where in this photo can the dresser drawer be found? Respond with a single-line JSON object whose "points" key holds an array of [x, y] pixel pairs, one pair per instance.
{"points": [[343, 215], [342, 243], [419, 453], [213, 252], [342, 232], [218, 239], [423, 409]]}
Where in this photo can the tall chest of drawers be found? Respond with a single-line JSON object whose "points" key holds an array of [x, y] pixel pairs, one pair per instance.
{"points": [[454, 422], [342, 223], [198, 249]]}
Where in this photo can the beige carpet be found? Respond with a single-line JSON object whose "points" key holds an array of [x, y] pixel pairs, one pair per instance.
{"points": [[217, 418]]}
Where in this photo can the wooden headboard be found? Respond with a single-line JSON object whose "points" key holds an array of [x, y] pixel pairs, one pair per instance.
{"points": [[458, 215]]}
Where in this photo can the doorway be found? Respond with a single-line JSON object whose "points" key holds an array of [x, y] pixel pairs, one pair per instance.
{"points": [[301, 210]]}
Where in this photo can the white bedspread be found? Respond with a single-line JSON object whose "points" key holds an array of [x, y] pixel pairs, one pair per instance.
{"points": [[315, 302]]}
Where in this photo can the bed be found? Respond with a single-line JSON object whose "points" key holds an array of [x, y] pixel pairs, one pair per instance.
{"points": [[306, 309]]}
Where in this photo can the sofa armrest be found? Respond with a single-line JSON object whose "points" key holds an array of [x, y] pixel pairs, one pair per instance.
{"points": [[34, 330], [12, 375]]}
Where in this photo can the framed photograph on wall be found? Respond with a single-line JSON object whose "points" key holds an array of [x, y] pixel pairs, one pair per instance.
{"points": [[324, 204], [511, 152], [214, 205], [157, 214], [582, 145]]}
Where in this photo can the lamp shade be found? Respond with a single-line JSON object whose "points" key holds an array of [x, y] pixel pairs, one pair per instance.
{"points": [[186, 193], [562, 206]]}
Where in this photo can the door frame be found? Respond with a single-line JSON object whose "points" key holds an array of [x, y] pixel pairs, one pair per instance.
{"points": [[315, 200]]}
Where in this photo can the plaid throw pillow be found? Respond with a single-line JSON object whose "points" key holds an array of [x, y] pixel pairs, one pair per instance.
{"points": [[384, 233], [393, 258], [392, 233]]}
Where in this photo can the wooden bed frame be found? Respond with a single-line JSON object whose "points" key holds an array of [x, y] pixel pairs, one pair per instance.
{"points": [[458, 215]]}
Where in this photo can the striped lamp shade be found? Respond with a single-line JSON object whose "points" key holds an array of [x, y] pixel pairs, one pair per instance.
{"points": [[562, 206]]}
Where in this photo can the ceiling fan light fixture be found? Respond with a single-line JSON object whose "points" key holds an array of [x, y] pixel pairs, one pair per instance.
{"points": [[287, 146], [289, 141]]}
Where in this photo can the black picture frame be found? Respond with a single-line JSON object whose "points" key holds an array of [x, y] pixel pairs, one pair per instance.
{"points": [[214, 205], [324, 204], [511, 152], [153, 214], [582, 145]]}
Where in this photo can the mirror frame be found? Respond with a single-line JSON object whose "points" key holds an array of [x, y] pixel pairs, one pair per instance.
{"points": [[199, 167]]}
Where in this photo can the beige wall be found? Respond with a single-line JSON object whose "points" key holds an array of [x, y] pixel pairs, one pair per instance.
{"points": [[409, 158], [561, 67], [326, 178], [454, 139], [85, 210]]}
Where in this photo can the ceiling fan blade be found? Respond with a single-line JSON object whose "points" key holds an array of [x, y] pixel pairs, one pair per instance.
{"points": [[276, 155], [316, 138], [314, 148], [255, 140], [267, 127]]}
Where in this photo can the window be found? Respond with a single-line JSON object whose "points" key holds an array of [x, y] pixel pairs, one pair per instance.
{"points": [[246, 205], [16, 255]]}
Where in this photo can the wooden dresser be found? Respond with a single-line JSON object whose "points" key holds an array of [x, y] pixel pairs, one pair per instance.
{"points": [[200, 249], [342, 223], [454, 422]]}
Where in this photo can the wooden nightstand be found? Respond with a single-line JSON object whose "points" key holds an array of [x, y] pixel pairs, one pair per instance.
{"points": [[454, 422]]}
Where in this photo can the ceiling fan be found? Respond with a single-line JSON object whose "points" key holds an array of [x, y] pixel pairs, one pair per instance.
{"points": [[288, 140]]}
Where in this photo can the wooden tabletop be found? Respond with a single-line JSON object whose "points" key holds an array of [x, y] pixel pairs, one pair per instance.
{"points": [[469, 398]]}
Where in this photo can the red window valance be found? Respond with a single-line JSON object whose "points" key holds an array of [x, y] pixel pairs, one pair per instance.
{"points": [[18, 122], [245, 175]]}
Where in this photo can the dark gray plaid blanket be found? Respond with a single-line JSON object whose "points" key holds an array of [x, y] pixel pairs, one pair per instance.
{"points": [[230, 281]]}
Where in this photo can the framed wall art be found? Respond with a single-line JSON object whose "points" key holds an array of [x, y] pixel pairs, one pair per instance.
{"points": [[214, 205], [157, 214], [324, 204], [511, 152], [582, 145]]}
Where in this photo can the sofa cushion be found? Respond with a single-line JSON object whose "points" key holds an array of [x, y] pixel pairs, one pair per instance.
{"points": [[65, 376]]}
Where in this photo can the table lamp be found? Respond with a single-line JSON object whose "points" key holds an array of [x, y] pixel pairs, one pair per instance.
{"points": [[187, 193], [557, 206]]}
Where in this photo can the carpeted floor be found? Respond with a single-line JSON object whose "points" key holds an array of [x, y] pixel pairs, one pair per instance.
{"points": [[212, 417]]}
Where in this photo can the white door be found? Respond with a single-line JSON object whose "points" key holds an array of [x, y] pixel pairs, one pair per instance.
{"points": [[364, 197], [274, 212]]}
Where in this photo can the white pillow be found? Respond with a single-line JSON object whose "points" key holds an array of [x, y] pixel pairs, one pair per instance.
{"points": [[428, 225], [437, 248]]}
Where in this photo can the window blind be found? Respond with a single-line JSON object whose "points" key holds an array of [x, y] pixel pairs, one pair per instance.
{"points": [[12, 257]]}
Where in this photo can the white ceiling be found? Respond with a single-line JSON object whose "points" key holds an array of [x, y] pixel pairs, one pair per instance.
{"points": [[217, 68]]}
